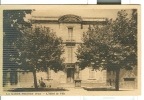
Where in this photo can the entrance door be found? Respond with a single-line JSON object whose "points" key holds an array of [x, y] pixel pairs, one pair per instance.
{"points": [[70, 75]]}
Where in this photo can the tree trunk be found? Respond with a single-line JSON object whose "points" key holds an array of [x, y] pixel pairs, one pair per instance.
{"points": [[35, 79], [48, 73], [117, 79]]}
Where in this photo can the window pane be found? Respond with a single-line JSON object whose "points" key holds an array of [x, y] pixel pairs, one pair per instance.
{"points": [[70, 31]]}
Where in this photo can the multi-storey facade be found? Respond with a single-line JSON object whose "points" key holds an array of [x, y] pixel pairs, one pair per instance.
{"points": [[70, 28]]}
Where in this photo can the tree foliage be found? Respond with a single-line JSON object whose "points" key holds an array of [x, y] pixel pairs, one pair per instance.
{"points": [[111, 46], [13, 24], [41, 48], [125, 37], [28, 47], [92, 52]]}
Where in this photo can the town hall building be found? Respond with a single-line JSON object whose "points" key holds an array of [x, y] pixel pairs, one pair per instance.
{"points": [[70, 28]]}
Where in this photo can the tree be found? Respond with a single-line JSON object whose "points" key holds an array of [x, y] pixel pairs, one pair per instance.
{"points": [[112, 46], [13, 24], [123, 52], [39, 49], [94, 49]]}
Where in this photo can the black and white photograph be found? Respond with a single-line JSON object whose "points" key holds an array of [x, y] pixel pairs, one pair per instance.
{"points": [[71, 50]]}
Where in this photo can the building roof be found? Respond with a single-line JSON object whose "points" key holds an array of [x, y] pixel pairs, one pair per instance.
{"points": [[69, 18]]}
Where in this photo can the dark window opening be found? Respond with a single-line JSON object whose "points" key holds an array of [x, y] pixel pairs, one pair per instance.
{"points": [[129, 79]]}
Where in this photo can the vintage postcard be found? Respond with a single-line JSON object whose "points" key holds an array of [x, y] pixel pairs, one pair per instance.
{"points": [[77, 50]]}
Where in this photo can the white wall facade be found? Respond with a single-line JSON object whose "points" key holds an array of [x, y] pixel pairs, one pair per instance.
{"points": [[62, 30]]}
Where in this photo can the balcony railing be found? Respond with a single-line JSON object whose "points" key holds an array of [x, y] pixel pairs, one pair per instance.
{"points": [[70, 65], [70, 42]]}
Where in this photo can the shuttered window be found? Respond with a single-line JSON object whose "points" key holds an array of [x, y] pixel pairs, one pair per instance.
{"points": [[91, 73]]}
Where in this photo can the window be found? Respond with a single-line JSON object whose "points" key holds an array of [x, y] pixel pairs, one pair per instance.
{"points": [[110, 82], [69, 45], [129, 79], [70, 54], [91, 73], [13, 78], [70, 33], [49, 73]]}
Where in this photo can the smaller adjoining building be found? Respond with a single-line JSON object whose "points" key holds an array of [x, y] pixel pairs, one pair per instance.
{"points": [[127, 78]]}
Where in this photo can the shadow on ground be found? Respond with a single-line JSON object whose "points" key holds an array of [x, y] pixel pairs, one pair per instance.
{"points": [[98, 89], [34, 89], [102, 89]]}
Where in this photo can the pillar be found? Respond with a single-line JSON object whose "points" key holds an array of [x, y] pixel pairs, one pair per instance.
{"points": [[18, 77], [77, 72]]}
